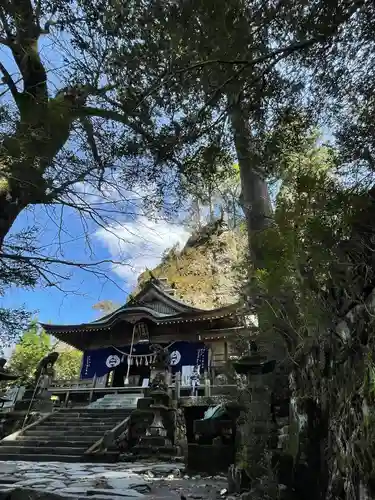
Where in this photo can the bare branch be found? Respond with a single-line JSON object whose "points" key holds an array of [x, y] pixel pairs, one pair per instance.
{"points": [[252, 62], [51, 260], [8, 80], [24, 47], [4, 41], [117, 117]]}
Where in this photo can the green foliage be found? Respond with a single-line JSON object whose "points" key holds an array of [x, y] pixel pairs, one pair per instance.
{"points": [[68, 364], [192, 271], [170, 254], [33, 346], [12, 323], [213, 183], [299, 249], [130, 298]]}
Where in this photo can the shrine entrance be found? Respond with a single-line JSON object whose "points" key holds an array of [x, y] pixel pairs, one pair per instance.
{"points": [[137, 374]]}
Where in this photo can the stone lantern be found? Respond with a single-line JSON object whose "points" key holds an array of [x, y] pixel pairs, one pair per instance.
{"points": [[254, 424], [4, 374]]}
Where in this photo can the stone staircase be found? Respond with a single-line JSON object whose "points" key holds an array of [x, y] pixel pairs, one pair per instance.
{"points": [[64, 436], [116, 401]]}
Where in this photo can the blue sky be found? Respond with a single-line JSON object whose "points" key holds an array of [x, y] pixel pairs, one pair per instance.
{"points": [[54, 305], [135, 240]]}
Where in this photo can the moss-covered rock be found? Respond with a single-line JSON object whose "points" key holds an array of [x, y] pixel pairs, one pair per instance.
{"points": [[203, 272]]}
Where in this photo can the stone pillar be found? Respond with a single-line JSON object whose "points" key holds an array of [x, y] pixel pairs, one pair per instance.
{"points": [[255, 426]]}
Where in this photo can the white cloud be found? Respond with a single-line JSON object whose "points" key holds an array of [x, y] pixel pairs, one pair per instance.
{"points": [[112, 197], [140, 243]]}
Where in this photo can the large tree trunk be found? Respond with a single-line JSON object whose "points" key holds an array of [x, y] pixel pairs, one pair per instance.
{"points": [[9, 210], [256, 200], [257, 207], [21, 184], [27, 154]]}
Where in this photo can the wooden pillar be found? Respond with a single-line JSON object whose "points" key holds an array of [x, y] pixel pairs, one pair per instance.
{"points": [[93, 386], [207, 387], [178, 386], [82, 360], [168, 381]]}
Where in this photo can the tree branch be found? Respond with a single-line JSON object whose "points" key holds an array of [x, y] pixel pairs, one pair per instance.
{"points": [[4, 41], [8, 80], [117, 117], [51, 260], [24, 47], [89, 129], [252, 62]]}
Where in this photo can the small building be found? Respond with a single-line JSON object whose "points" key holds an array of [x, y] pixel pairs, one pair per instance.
{"points": [[118, 347]]}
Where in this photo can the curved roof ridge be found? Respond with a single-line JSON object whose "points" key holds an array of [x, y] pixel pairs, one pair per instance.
{"points": [[144, 291], [158, 317], [170, 298]]}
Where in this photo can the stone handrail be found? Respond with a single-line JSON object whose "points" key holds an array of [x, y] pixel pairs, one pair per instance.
{"points": [[109, 438], [20, 432]]}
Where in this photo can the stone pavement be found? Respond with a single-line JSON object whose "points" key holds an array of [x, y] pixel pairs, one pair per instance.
{"points": [[120, 481]]}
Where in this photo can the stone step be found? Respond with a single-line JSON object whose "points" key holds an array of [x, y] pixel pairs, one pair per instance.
{"points": [[49, 432], [65, 436], [115, 404], [87, 409], [114, 400], [89, 420], [108, 457], [78, 424], [39, 441], [161, 457], [122, 402], [94, 413], [76, 431], [49, 450], [122, 395], [110, 407], [117, 398], [58, 432], [31, 457], [105, 414]]}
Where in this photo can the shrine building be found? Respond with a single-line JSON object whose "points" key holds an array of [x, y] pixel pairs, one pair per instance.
{"points": [[117, 348]]}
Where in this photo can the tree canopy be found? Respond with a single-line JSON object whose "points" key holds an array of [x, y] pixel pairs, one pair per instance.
{"points": [[34, 344], [169, 95]]}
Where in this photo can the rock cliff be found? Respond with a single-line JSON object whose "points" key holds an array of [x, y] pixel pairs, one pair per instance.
{"points": [[204, 272]]}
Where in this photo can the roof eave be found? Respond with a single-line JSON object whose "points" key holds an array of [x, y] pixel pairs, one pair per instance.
{"points": [[214, 314]]}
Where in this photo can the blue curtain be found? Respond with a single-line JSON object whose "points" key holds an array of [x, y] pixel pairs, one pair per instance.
{"points": [[100, 361]]}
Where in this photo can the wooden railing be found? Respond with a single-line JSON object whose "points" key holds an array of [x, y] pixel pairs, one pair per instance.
{"points": [[72, 384], [175, 383]]}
